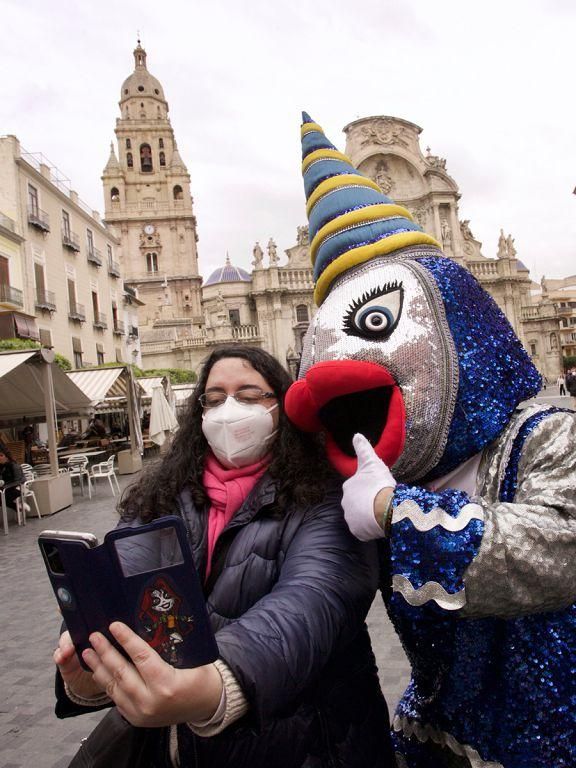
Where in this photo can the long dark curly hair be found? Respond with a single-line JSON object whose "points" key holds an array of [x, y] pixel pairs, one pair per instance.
{"points": [[298, 465]]}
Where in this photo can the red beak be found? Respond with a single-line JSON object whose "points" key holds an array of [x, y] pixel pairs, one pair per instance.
{"points": [[342, 397]]}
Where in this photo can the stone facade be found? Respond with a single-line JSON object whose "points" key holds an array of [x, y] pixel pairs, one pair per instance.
{"points": [[560, 294], [149, 206], [59, 266]]}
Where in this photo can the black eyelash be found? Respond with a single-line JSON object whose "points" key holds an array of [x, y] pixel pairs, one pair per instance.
{"points": [[371, 294]]}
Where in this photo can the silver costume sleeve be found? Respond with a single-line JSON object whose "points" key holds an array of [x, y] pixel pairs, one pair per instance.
{"points": [[527, 558]]}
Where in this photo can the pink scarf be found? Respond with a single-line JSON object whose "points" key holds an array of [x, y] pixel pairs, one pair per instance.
{"points": [[226, 489]]}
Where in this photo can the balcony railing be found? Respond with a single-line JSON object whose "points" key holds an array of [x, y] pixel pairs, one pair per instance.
{"points": [[100, 320], [114, 269], [9, 295], [7, 222], [77, 312], [45, 300], [39, 219], [71, 241], [119, 328], [95, 257]]}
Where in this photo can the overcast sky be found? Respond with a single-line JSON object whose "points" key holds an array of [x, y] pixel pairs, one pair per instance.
{"points": [[491, 84]]}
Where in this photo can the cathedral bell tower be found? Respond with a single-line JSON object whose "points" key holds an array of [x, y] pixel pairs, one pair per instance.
{"points": [[149, 206]]}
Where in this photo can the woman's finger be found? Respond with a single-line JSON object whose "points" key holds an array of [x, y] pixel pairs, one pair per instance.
{"points": [[111, 669], [148, 663]]}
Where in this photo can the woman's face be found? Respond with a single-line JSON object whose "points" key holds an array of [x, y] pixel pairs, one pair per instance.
{"points": [[3, 458], [232, 374]]}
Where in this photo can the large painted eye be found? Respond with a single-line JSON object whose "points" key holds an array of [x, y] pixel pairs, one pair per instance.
{"points": [[376, 314]]}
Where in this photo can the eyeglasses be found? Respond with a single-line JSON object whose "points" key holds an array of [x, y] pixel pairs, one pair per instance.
{"points": [[247, 396]]}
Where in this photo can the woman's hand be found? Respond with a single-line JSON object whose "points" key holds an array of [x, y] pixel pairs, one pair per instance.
{"points": [[149, 691], [78, 679]]}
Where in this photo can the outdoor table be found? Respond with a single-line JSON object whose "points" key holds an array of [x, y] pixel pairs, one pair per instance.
{"points": [[3, 490]]}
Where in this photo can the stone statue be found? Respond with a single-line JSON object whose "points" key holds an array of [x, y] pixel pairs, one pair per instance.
{"points": [[510, 247], [258, 255], [446, 233], [272, 253], [384, 180], [502, 246], [465, 229], [303, 238]]}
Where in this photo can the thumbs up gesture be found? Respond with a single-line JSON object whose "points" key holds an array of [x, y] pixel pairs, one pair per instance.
{"points": [[361, 490]]}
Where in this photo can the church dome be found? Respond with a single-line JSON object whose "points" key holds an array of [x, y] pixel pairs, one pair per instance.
{"points": [[141, 82], [228, 274]]}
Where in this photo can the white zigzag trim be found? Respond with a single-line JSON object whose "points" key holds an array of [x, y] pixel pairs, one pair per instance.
{"points": [[425, 521], [425, 732], [432, 590]]}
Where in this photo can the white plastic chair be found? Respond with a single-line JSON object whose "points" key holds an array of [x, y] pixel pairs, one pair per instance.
{"points": [[77, 466], [26, 493], [106, 469]]}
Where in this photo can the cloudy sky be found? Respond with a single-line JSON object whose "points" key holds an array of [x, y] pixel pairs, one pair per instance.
{"points": [[490, 83]]}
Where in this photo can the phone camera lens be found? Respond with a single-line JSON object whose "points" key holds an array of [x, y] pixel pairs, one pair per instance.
{"points": [[65, 597]]}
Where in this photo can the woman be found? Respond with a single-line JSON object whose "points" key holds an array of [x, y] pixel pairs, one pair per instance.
{"points": [[287, 590], [10, 472]]}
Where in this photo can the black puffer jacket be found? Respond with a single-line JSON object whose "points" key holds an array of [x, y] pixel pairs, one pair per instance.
{"points": [[287, 597]]}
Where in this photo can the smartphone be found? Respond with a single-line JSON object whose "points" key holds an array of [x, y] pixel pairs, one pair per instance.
{"points": [[143, 576]]}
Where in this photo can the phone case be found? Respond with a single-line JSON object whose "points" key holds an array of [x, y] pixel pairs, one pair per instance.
{"points": [[143, 576]]}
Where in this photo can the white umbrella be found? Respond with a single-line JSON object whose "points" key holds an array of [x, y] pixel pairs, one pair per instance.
{"points": [[162, 419]]}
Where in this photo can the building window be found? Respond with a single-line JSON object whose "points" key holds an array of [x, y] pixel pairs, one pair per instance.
{"points": [[129, 160], [128, 144], [301, 313], [45, 337], [161, 143], [90, 240], [114, 195], [77, 352], [118, 355], [146, 158], [95, 307], [66, 223], [177, 192], [533, 350], [33, 199], [553, 341], [234, 315], [99, 354], [162, 159], [152, 262], [110, 254]]}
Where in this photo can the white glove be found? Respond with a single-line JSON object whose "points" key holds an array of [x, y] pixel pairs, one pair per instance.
{"points": [[361, 489]]}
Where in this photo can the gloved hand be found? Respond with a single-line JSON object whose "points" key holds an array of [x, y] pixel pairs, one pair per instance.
{"points": [[361, 489]]}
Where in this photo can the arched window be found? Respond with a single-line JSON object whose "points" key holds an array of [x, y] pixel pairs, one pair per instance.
{"points": [[152, 262], [177, 192], [533, 348], [128, 144], [553, 341], [114, 195], [162, 159], [146, 158], [129, 160], [160, 143], [302, 313]]}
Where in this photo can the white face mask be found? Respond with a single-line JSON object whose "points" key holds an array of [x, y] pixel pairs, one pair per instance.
{"points": [[238, 434]]}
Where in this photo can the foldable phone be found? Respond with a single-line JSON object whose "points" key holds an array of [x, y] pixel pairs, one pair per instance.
{"points": [[143, 576]]}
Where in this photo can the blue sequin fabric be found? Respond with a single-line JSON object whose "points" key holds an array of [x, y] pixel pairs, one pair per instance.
{"points": [[436, 555], [488, 691], [495, 372]]}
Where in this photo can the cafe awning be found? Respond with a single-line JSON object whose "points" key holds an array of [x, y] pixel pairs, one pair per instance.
{"points": [[100, 383], [22, 388]]}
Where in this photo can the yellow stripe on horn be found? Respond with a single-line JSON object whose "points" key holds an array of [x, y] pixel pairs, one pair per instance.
{"points": [[323, 154], [359, 216], [342, 180], [365, 253], [309, 127]]}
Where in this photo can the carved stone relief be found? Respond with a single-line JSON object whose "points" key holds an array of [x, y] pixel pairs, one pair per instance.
{"points": [[383, 132]]}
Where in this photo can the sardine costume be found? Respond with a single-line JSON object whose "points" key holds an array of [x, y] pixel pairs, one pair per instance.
{"points": [[407, 349]]}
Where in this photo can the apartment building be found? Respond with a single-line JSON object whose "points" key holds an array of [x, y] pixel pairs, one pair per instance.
{"points": [[60, 276]]}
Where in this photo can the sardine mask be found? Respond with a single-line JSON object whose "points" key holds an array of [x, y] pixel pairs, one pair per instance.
{"points": [[406, 346]]}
